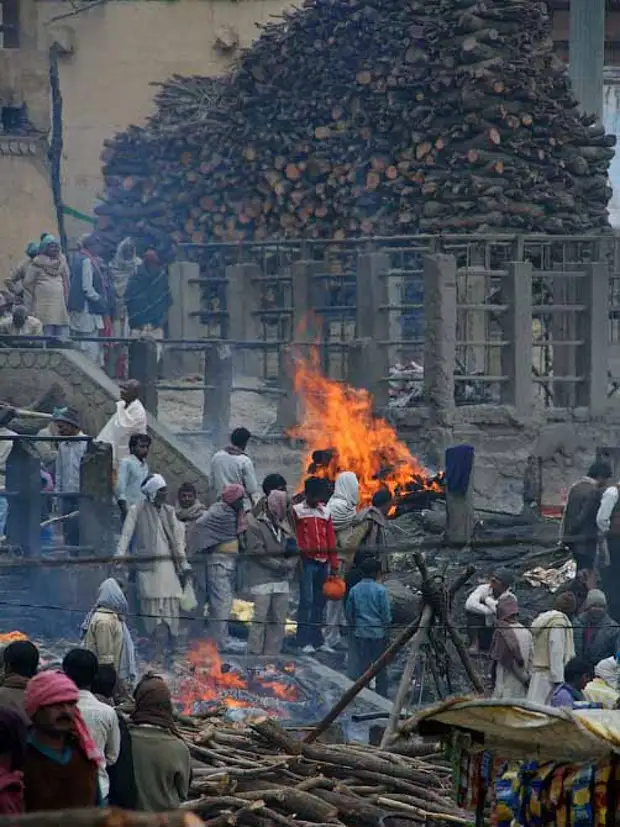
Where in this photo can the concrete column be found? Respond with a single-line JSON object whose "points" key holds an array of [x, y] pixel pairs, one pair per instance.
{"points": [[517, 330], [23, 484], [593, 329], [186, 293], [243, 300], [367, 369], [370, 356], [306, 324], [218, 378], [586, 53], [287, 416], [564, 329], [440, 348], [144, 367], [475, 321], [98, 514], [460, 515]]}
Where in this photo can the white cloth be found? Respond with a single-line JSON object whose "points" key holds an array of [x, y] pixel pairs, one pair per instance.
{"points": [[234, 469], [153, 486], [482, 602], [608, 503], [544, 681], [280, 587], [68, 465], [507, 684], [342, 505], [335, 620], [102, 724], [128, 419]]}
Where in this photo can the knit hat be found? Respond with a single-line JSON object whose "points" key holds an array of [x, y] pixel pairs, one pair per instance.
{"points": [[595, 597], [505, 576], [566, 602], [68, 415]]}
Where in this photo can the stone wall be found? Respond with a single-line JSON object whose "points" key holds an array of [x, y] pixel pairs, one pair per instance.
{"points": [[27, 375], [566, 443]]}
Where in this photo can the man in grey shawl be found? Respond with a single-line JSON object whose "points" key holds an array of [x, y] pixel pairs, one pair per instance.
{"points": [[216, 534], [158, 534]]}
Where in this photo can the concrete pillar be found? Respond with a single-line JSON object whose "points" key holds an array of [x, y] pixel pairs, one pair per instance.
{"points": [[370, 357], [593, 329], [186, 294], [586, 53], [243, 300], [144, 367], [287, 416], [460, 515], [475, 321], [517, 330], [218, 389], [440, 348], [367, 370], [306, 324], [23, 484], [98, 513], [564, 329]]}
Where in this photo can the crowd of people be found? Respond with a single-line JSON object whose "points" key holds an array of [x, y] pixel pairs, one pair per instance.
{"points": [[76, 738], [84, 298]]}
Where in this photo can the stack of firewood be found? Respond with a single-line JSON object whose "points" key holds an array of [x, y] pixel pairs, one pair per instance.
{"points": [[262, 775], [355, 117]]}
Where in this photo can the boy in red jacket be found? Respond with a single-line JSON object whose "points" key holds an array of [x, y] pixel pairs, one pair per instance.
{"points": [[316, 540]]}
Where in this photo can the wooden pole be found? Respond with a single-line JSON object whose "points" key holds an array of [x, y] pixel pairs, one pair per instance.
{"points": [[97, 817], [407, 676], [362, 682]]}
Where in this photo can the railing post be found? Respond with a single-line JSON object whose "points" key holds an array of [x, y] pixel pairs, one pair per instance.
{"points": [[23, 482], [144, 366], [517, 330], [440, 347], [218, 380], [243, 301], [183, 319], [96, 520], [376, 325], [593, 330]]}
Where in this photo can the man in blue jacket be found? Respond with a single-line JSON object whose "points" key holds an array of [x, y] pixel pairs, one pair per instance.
{"points": [[369, 617]]}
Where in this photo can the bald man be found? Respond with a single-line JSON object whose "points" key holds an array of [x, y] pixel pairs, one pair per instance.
{"points": [[129, 418]]}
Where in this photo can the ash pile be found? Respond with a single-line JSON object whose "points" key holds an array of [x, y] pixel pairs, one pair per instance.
{"points": [[358, 117]]}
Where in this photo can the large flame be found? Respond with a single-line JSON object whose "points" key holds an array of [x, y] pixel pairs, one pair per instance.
{"points": [[211, 681], [337, 417]]}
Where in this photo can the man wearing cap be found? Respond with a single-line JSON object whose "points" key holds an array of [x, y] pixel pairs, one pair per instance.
{"points": [[596, 633], [481, 608], [68, 461]]}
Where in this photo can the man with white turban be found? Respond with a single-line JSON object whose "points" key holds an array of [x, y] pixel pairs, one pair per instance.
{"points": [[603, 688], [156, 532]]}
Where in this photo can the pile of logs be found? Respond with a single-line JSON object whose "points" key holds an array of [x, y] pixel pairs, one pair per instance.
{"points": [[262, 775], [355, 117]]}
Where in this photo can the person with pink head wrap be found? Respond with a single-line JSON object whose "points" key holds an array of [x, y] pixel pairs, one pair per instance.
{"points": [[62, 760], [271, 564], [511, 651]]}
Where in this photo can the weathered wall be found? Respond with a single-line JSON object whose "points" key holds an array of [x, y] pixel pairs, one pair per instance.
{"points": [[26, 206], [566, 443], [27, 375], [120, 49]]}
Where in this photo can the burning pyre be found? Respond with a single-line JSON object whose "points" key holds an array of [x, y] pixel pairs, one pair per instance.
{"points": [[215, 686], [342, 434]]}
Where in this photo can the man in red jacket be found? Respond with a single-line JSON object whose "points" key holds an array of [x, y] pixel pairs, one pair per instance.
{"points": [[316, 540]]}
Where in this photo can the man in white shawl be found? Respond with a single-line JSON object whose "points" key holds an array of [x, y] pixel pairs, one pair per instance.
{"points": [[552, 634], [130, 418], [157, 533], [603, 688], [342, 508]]}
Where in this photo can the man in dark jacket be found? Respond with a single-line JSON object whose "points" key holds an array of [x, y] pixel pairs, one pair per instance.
{"points": [[21, 661], [579, 530], [88, 301], [595, 632]]}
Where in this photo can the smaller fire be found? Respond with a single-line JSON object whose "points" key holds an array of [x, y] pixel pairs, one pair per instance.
{"points": [[213, 683], [11, 637]]}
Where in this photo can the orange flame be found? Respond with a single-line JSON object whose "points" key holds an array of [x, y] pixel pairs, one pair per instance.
{"points": [[11, 637], [339, 418], [210, 682]]}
